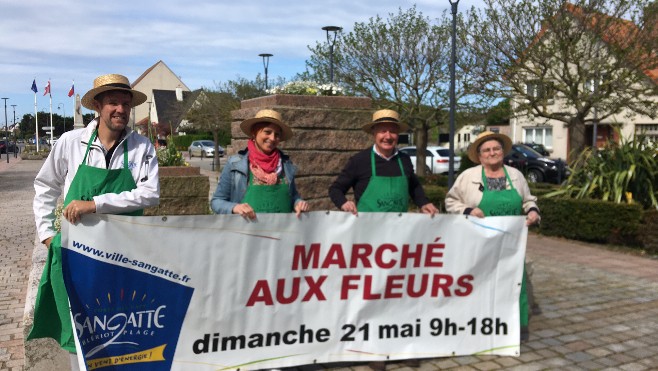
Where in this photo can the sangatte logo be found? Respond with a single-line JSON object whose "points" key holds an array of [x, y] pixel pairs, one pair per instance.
{"points": [[126, 322]]}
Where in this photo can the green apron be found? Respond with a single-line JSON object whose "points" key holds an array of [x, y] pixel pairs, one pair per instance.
{"points": [[385, 193], [501, 203], [51, 311], [265, 198]]}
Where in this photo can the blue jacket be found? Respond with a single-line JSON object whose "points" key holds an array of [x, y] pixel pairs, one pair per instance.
{"points": [[232, 184]]}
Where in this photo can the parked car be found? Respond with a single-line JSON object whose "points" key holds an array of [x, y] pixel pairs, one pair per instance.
{"points": [[437, 159], [539, 148], [204, 148], [4, 148], [536, 167]]}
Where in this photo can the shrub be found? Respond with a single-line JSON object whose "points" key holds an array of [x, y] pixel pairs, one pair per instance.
{"points": [[591, 220], [622, 173], [169, 155]]}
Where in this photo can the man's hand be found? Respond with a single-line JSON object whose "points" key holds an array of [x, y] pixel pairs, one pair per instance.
{"points": [[75, 209], [300, 207], [349, 206], [47, 242], [429, 209]]}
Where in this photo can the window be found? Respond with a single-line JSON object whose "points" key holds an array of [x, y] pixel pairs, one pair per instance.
{"points": [[539, 134], [540, 90], [650, 131]]}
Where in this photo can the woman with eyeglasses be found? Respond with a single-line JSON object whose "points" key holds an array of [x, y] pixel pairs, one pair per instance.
{"points": [[494, 189]]}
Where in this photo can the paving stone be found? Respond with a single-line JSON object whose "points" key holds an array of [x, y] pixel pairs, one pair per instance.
{"points": [[579, 356]]}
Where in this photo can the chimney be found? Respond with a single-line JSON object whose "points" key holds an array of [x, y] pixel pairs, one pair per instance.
{"points": [[179, 94]]}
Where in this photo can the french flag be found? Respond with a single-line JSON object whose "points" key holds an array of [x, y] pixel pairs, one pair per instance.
{"points": [[72, 91]]}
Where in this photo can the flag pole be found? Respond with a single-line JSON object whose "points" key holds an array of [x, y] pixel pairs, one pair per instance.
{"points": [[72, 96], [36, 116], [52, 128]]}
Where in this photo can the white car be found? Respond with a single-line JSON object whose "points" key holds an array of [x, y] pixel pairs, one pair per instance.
{"points": [[204, 148], [437, 159]]}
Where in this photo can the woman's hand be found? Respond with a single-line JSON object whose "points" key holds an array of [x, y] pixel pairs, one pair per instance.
{"points": [[477, 212], [532, 218], [75, 209], [245, 211], [300, 207]]}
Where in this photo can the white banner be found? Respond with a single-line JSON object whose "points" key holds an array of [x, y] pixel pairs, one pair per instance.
{"points": [[219, 292]]}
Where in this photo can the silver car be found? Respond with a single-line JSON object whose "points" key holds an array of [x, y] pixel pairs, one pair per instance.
{"points": [[204, 148]]}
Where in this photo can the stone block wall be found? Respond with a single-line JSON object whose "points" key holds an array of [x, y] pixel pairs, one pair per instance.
{"points": [[326, 133], [183, 191]]}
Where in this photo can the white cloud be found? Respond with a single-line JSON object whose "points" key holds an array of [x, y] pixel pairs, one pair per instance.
{"points": [[204, 41]]}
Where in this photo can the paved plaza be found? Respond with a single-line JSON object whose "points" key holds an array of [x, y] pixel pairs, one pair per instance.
{"points": [[599, 306]]}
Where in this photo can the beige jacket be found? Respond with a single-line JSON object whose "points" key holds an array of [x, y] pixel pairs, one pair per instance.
{"points": [[466, 193]]}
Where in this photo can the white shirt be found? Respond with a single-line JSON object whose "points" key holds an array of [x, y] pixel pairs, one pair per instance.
{"points": [[59, 169]]}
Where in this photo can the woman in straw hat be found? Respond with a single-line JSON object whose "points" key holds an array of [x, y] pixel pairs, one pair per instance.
{"points": [[494, 189], [104, 168], [259, 178]]}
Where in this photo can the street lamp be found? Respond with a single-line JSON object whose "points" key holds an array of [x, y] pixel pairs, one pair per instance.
{"points": [[451, 164], [14, 126], [6, 131], [64, 109], [331, 42], [266, 63]]}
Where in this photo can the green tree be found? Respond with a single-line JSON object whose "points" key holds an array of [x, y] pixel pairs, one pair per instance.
{"points": [[212, 110], [499, 114], [560, 60], [402, 63]]}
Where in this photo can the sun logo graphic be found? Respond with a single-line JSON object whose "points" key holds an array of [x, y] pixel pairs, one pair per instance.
{"points": [[124, 317]]}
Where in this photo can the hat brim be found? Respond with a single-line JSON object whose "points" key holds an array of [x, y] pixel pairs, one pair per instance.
{"points": [[246, 125], [502, 138], [368, 127], [87, 100]]}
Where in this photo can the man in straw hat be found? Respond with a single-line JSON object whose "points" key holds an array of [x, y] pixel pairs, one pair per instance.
{"points": [[103, 168], [382, 178]]}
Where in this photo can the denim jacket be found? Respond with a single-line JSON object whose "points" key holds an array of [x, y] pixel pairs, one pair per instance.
{"points": [[232, 184]]}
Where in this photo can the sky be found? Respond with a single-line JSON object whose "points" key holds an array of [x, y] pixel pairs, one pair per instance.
{"points": [[203, 42]]}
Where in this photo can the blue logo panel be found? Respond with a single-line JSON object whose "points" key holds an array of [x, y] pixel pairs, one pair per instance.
{"points": [[125, 319]]}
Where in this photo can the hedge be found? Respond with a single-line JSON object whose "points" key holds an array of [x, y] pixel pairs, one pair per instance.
{"points": [[591, 220], [584, 220]]}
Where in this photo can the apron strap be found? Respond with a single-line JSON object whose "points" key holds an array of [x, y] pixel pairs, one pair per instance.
{"points": [[91, 140], [125, 149], [372, 164], [509, 181], [125, 153]]}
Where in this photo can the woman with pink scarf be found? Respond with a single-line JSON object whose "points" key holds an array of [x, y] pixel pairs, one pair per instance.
{"points": [[261, 178]]}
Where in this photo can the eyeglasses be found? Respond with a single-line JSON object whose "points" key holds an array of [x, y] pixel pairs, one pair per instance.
{"points": [[492, 149]]}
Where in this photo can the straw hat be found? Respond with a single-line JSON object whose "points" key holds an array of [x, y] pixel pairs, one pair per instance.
{"points": [[385, 115], [112, 82], [270, 116], [485, 136]]}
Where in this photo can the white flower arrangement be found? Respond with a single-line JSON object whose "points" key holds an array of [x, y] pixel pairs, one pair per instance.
{"points": [[305, 87]]}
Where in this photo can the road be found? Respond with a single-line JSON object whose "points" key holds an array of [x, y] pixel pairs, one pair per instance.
{"points": [[204, 163]]}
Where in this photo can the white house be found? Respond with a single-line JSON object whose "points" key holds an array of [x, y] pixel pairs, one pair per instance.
{"points": [[553, 134]]}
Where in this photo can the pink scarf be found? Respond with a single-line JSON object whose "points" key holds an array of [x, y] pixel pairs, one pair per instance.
{"points": [[263, 166]]}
